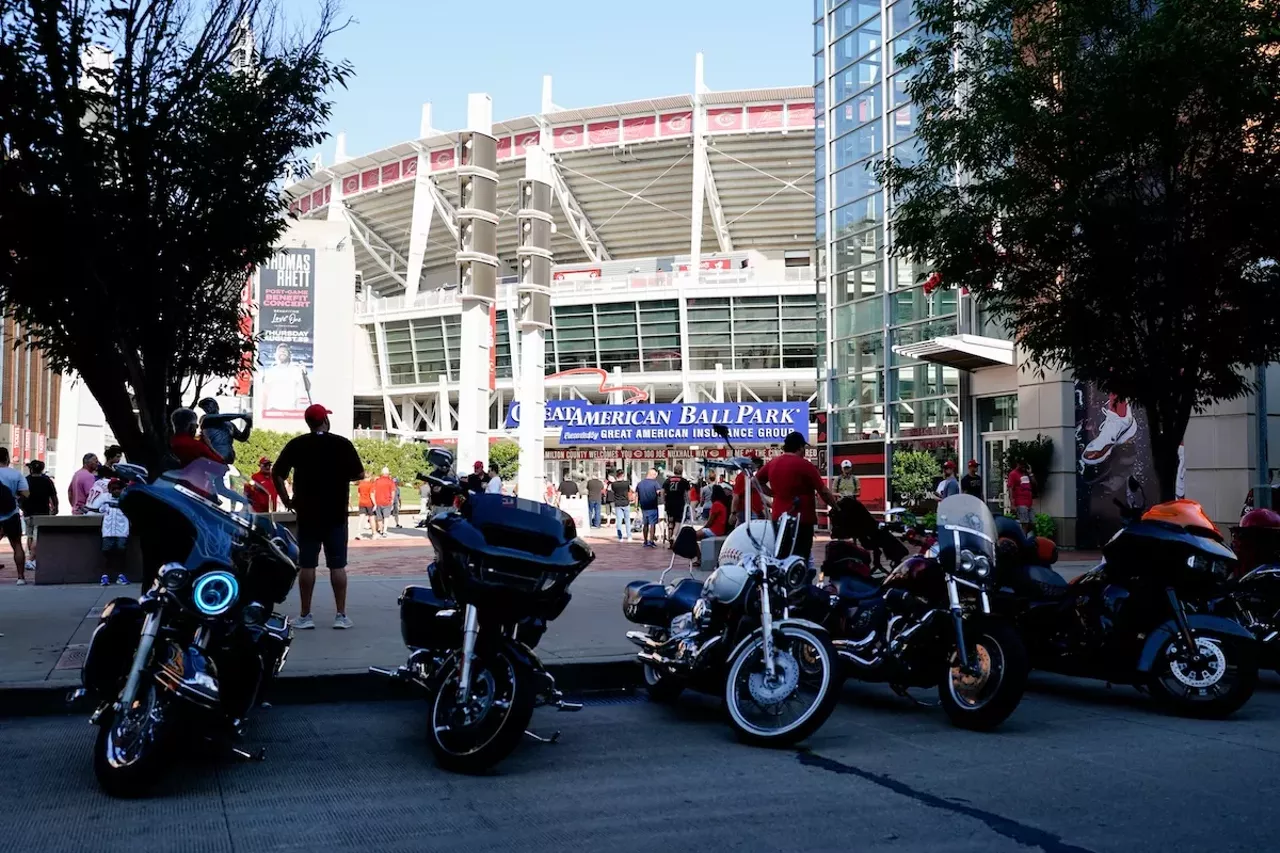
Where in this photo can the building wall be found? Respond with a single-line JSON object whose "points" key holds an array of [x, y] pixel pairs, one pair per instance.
{"points": [[29, 398]]}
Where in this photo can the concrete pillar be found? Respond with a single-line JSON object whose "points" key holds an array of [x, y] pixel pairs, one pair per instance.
{"points": [[533, 248]]}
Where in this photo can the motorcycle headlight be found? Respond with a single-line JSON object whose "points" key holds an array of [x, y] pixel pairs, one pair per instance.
{"points": [[970, 563], [174, 576], [215, 593]]}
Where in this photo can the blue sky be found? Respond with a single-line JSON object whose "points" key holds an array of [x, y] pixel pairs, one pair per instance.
{"points": [[406, 52]]}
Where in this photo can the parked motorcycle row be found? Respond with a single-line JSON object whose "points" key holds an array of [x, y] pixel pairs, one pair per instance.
{"points": [[967, 616]]}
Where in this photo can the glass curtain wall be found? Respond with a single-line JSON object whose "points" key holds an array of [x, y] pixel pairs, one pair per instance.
{"points": [[874, 301]]}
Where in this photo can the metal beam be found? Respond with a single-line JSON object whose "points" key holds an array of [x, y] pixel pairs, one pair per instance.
{"points": [[579, 223], [713, 202], [381, 251]]}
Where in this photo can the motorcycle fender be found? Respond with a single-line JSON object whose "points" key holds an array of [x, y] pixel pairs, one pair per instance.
{"points": [[1200, 623], [111, 648], [777, 626]]}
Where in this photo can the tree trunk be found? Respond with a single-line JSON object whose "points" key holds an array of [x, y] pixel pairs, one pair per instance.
{"points": [[1167, 425], [140, 447]]}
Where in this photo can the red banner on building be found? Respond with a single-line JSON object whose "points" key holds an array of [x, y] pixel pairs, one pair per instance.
{"points": [[40, 446], [351, 185], [368, 179], [504, 147], [641, 127], [800, 115], [576, 275], [676, 124], [724, 119], [390, 172], [409, 167], [304, 204], [568, 137], [443, 159], [524, 140], [603, 132], [761, 118], [709, 264], [317, 198]]}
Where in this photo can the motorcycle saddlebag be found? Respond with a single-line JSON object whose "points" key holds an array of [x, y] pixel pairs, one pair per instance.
{"points": [[645, 603], [112, 647], [428, 621]]}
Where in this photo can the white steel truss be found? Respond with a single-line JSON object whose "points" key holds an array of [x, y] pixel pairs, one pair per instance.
{"points": [[579, 223], [429, 205], [381, 251], [713, 202]]}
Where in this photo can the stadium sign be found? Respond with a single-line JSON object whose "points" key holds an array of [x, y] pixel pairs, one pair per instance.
{"points": [[581, 422]]}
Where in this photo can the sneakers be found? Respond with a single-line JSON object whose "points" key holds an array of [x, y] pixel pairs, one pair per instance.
{"points": [[21, 582], [31, 565], [304, 623], [122, 580], [105, 580], [619, 535], [649, 544], [341, 621], [1116, 429]]}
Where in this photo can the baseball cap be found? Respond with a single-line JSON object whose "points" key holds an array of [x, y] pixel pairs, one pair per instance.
{"points": [[479, 466], [973, 463], [846, 464], [948, 465], [793, 442], [264, 461], [315, 414]]}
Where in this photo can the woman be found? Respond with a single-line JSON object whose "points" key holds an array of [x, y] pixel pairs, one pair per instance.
{"points": [[717, 517]]}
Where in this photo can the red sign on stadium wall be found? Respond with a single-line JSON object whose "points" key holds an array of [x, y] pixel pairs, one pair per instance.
{"points": [[676, 124], [351, 184], [390, 172], [800, 115], [368, 178], [587, 274], [724, 119], [442, 159], [409, 167], [504, 147], [602, 132], [641, 127], [760, 118], [709, 264], [524, 140], [568, 137]]}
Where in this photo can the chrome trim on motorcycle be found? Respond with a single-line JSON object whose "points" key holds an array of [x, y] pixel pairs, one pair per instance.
{"points": [[470, 629], [150, 627], [766, 624]]}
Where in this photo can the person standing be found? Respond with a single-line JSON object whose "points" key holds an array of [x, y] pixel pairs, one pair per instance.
{"points": [[82, 483], [364, 506], [424, 500], [621, 488], [568, 488], [115, 531], [791, 477], [971, 483], [675, 495], [13, 490], [949, 485], [384, 498], [395, 502], [261, 489], [647, 492], [494, 485], [706, 493], [185, 446], [111, 457], [477, 480], [595, 493], [219, 431], [740, 494], [847, 485], [42, 500], [323, 466], [1021, 493]]}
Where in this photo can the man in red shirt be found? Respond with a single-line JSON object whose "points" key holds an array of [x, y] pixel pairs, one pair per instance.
{"points": [[791, 477], [384, 498], [740, 495], [1022, 492], [260, 489], [184, 444]]}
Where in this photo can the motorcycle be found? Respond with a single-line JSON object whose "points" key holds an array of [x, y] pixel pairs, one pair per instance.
{"points": [[735, 635], [502, 572], [1144, 616], [928, 622], [1253, 593], [200, 648]]}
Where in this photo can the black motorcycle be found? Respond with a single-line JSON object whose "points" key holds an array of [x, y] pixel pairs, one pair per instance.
{"points": [[928, 622], [1142, 617], [734, 635], [502, 572], [196, 653]]}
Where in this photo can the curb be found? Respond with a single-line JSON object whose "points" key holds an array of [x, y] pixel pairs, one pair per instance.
{"points": [[326, 688]]}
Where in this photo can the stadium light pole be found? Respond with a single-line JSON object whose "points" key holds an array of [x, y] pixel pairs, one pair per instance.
{"points": [[477, 261], [534, 226]]}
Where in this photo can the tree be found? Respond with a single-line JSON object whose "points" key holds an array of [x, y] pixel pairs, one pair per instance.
{"points": [[139, 185], [507, 455], [914, 474], [1104, 176]]}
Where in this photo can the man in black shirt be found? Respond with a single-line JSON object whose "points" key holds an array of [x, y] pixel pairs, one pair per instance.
{"points": [[41, 499], [675, 494], [595, 491], [971, 483], [621, 489], [324, 466], [568, 488]]}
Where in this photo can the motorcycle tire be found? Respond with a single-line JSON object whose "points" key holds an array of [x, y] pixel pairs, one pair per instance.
{"points": [[661, 687], [497, 676], [1164, 687], [986, 639], [132, 777], [832, 680]]}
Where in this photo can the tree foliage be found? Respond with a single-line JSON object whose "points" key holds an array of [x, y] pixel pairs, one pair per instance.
{"points": [[1038, 453], [139, 187], [914, 474], [507, 455], [1105, 176]]}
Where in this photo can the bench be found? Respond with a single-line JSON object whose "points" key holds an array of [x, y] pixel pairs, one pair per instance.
{"points": [[69, 548]]}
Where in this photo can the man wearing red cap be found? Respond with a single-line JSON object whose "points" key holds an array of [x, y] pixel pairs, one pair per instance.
{"points": [[261, 489], [324, 466], [971, 483], [740, 494]]}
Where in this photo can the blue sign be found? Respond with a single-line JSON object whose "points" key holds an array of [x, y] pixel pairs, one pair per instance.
{"points": [[581, 422]]}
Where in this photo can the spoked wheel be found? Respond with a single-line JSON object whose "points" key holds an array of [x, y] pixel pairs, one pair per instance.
{"points": [[661, 686], [473, 737], [784, 708], [1212, 682], [127, 755], [985, 694]]}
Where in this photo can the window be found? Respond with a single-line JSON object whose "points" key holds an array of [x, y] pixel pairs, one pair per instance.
{"points": [[859, 283], [859, 215], [619, 343], [858, 43], [502, 346], [848, 16], [861, 354], [860, 389], [855, 78], [926, 380], [575, 336], [799, 331], [904, 123], [453, 340], [998, 414], [860, 317], [819, 37], [919, 332], [856, 146], [853, 182], [858, 249], [399, 354], [858, 110], [902, 16], [819, 67], [756, 342], [710, 341], [428, 340], [660, 335], [373, 345], [912, 305]]}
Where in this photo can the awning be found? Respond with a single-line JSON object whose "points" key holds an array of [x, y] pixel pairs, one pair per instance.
{"points": [[966, 352]]}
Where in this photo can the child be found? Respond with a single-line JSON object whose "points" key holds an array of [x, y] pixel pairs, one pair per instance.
{"points": [[115, 531]]}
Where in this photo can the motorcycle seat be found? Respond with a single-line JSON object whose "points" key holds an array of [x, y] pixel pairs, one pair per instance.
{"points": [[653, 604], [855, 588], [1041, 581]]}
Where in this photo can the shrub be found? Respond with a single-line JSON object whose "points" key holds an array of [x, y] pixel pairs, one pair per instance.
{"points": [[914, 473], [507, 455], [1045, 525]]}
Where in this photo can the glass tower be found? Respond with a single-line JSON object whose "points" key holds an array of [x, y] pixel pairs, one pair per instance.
{"points": [[877, 401]]}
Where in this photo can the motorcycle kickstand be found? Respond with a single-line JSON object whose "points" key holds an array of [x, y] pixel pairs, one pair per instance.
{"points": [[555, 738], [902, 691]]}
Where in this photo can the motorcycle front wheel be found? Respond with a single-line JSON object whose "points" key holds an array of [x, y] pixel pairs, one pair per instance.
{"points": [[784, 708], [984, 696], [473, 737], [129, 751], [1215, 685]]}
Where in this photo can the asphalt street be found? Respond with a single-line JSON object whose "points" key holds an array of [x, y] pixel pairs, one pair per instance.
{"points": [[1077, 768]]}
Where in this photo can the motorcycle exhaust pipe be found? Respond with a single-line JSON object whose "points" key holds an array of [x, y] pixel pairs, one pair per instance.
{"points": [[655, 659], [643, 640]]}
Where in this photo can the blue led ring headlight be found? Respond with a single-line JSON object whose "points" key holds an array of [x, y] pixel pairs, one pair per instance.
{"points": [[215, 593]]}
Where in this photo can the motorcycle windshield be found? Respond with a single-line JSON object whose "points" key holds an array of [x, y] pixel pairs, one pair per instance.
{"points": [[965, 523], [199, 492]]}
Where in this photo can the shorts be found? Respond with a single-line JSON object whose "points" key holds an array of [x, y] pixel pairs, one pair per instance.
{"points": [[1024, 514], [334, 542], [114, 543], [650, 516], [386, 511], [11, 527], [366, 510]]}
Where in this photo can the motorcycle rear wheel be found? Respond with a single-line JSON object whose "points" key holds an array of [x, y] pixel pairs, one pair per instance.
{"points": [[820, 670], [128, 754], [473, 739], [972, 701], [1227, 693]]}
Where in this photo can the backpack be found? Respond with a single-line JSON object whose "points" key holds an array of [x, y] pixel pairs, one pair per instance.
{"points": [[8, 501]]}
